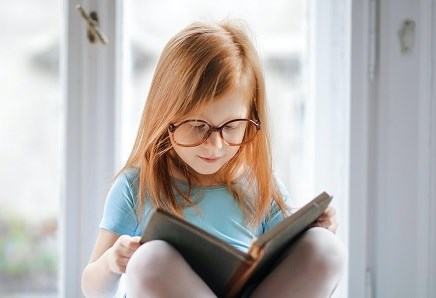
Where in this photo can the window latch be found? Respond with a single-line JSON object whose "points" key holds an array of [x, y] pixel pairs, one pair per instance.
{"points": [[94, 32], [406, 35]]}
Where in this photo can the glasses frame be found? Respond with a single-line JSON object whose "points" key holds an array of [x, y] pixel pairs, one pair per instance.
{"points": [[172, 128]]}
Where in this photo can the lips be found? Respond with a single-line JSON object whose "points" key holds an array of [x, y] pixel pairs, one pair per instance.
{"points": [[210, 159]]}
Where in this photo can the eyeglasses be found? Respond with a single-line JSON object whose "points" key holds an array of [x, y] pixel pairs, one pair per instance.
{"points": [[191, 133]]}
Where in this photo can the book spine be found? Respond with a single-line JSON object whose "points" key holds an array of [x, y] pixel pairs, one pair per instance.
{"points": [[242, 274]]}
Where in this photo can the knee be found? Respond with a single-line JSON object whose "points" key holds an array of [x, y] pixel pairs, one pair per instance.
{"points": [[150, 261], [324, 252]]}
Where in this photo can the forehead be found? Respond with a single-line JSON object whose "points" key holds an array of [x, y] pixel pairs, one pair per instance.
{"points": [[233, 104]]}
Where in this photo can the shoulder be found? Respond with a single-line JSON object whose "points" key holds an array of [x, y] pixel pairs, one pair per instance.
{"points": [[128, 178], [126, 185], [120, 212], [131, 175]]}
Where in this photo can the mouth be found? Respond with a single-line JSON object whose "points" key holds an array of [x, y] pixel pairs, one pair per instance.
{"points": [[210, 159]]}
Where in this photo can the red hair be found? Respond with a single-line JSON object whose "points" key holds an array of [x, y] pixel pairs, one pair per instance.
{"points": [[199, 64]]}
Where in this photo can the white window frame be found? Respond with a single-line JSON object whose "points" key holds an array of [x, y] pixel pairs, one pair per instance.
{"points": [[392, 209], [426, 201], [432, 178], [361, 60], [403, 193], [328, 103], [378, 77], [89, 76]]}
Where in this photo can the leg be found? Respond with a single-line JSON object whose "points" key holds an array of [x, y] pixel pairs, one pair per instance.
{"points": [[311, 268], [156, 269]]}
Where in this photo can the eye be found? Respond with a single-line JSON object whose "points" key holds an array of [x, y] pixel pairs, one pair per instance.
{"points": [[232, 125], [199, 126]]}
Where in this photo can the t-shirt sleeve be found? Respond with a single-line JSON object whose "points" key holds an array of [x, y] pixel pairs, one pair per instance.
{"points": [[276, 215], [119, 214]]}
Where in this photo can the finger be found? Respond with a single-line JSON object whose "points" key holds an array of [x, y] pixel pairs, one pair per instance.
{"points": [[122, 264], [333, 227], [329, 218], [331, 211], [122, 261], [132, 243], [117, 263], [320, 224], [137, 241], [120, 250], [323, 223], [328, 213]]}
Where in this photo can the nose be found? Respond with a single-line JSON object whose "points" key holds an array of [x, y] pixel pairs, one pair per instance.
{"points": [[214, 140]]}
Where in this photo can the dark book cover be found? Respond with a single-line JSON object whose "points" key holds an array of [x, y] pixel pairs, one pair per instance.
{"points": [[225, 269]]}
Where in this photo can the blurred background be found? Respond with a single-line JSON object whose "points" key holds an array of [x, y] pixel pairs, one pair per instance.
{"points": [[30, 157]]}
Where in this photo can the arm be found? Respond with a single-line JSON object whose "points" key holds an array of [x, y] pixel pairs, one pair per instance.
{"points": [[108, 261]]}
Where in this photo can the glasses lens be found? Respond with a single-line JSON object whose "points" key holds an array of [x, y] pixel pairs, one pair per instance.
{"points": [[239, 131], [191, 133]]}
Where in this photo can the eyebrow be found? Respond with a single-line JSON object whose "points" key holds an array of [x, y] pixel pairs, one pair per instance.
{"points": [[209, 122]]}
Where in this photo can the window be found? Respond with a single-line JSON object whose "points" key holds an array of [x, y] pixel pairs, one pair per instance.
{"points": [[30, 117]]}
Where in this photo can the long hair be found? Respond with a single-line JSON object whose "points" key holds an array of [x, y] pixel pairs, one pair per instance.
{"points": [[199, 64]]}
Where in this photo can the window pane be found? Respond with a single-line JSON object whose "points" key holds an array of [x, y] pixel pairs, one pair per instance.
{"points": [[29, 152], [279, 28]]}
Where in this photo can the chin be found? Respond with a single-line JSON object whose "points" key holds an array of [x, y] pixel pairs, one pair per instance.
{"points": [[203, 171], [206, 169]]}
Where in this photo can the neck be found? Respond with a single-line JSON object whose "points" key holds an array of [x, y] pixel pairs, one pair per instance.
{"points": [[198, 179]]}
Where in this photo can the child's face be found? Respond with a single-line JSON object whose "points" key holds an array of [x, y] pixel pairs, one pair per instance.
{"points": [[208, 157]]}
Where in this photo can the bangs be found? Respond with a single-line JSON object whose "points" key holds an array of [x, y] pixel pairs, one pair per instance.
{"points": [[197, 110], [215, 84], [214, 63]]}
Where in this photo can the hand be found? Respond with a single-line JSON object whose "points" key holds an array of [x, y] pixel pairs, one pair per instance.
{"points": [[119, 254], [327, 220]]}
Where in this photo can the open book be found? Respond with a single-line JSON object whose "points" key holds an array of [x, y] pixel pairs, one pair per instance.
{"points": [[224, 268]]}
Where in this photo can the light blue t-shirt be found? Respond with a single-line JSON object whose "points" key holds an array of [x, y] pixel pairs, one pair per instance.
{"points": [[217, 212]]}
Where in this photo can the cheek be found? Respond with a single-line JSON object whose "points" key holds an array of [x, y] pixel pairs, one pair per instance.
{"points": [[183, 153], [232, 152]]}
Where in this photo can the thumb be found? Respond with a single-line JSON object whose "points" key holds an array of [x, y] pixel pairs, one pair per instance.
{"points": [[136, 239], [135, 242]]}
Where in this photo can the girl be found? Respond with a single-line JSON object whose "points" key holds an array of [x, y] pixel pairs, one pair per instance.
{"points": [[202, 152]]}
